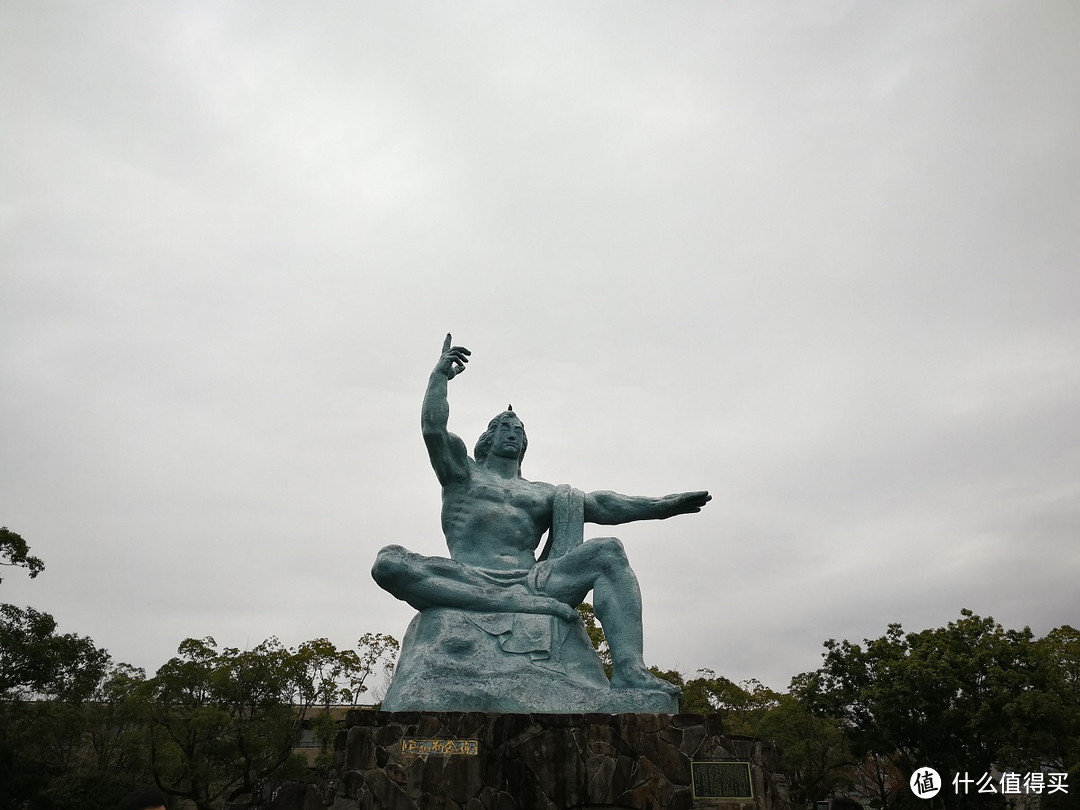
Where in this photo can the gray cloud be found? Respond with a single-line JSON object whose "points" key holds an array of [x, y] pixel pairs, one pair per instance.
{"points": [[818, 260]]}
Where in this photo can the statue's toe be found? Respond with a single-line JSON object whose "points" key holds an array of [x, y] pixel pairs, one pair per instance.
{"points": [[645, 680]]}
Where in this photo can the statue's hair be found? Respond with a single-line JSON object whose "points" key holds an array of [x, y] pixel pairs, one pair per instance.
{"points": [[487, 438]]}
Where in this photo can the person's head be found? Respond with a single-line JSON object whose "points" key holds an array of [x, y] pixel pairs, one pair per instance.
{"points": [[143, 799], [505, 436]]}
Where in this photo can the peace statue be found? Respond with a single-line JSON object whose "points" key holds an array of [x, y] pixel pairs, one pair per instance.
{"points": [[498, 628]]}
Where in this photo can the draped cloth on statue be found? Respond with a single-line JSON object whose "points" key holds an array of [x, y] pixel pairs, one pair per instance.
{"points": [[531, 633]]}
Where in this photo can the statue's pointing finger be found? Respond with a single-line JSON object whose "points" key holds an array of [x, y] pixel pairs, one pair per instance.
{"points": [[455, 357]]}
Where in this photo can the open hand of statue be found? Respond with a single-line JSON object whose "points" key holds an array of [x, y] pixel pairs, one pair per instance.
{"points": [[453, 359], [683, 503]]}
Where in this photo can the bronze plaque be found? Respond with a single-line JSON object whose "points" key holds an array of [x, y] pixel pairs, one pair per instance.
{"points": [[722, 780], [423, 748]]}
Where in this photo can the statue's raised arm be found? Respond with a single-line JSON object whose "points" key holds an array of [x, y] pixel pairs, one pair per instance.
{"points": [[447, 452], [498, 629], [611, 508]]}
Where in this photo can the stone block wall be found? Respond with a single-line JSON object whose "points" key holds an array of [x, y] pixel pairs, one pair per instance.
{"points": [[545, 762]]}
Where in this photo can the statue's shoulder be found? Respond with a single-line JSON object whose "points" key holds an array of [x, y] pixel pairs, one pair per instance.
{"points": [[539, 488]]}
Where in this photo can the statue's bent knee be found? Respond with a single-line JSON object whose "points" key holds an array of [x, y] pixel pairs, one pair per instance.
{"points": [[390, 566], [610, 553]]}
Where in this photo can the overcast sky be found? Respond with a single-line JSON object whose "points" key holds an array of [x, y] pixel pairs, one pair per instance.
{"points": [[820, 259]]}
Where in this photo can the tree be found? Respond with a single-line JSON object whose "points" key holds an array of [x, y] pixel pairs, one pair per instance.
{"points": [[115, 723], [14, 551], [35, 660], [52, 704], [741, 706], [818, 762], [372, 648], [224, 721], [326, 676], [877, 782], [82, 752], [220, 721], [1058, 729], [49, 693], [959, 698], [596, 636]]}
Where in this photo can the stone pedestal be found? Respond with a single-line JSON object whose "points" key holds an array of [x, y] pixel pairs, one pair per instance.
{"points": [[458, 660], [476, 761]]}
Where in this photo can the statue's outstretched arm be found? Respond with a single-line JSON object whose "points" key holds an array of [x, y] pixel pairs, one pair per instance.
{"points": [[611, 508], [447, 452]]}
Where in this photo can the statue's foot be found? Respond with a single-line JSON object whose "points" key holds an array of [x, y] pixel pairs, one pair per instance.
{"points": [[567, 612], [561, 609], [641, 678], [522, 601]]}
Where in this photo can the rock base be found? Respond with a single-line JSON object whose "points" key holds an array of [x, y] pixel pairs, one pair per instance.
{"points": [[457, 660]]}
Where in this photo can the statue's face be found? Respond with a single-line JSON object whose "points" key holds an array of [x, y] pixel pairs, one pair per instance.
{"points": [[509, 438]]}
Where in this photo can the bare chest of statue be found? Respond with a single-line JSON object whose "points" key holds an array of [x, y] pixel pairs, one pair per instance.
{"points": [[493, 522]]}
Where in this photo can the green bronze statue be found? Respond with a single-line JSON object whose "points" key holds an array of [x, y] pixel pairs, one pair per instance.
{"points": [[494, 521]]}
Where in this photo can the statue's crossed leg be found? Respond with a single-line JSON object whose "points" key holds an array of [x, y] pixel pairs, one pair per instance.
{"points": [[428, 582]]}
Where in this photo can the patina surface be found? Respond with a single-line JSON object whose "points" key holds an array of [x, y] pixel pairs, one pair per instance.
{"points": [[498, 628]]}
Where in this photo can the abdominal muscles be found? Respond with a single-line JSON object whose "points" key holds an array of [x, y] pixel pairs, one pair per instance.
{"points": [[487, 534]]}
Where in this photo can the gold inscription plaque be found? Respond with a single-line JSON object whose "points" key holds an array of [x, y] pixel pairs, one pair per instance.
{"points": [[423, 748]]}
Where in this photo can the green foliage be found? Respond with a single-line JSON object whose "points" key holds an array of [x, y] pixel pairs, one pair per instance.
{"points": [[35, 660], [326, 676], [959, 698], [963, 697], [1058, 732], [939, 696], [816, 756], [15, 551], [224, 721], [211, 727], [817, 759], [22, 775], [78, 790], [596, 635], [741, 706], [375, 651], [63, 749], [214, 725], [51, 704]]}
